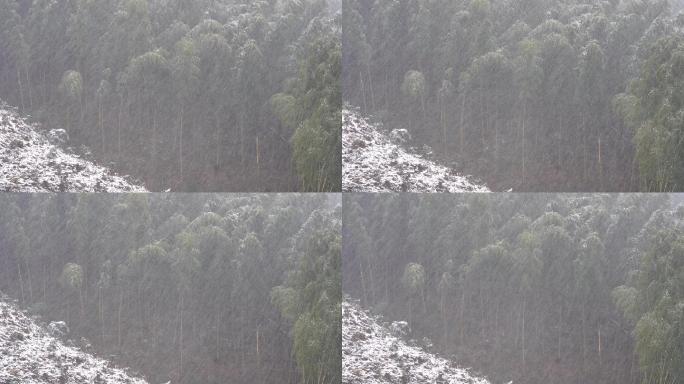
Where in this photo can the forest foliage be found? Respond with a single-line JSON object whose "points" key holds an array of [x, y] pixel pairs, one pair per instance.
{"points": [[192, 288], [178, 93], [534, 95], [530, 288]]}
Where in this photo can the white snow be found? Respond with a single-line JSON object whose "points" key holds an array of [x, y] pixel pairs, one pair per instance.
{"points": [[30, 355], [372, 354], [30, 163], [372, 162]]}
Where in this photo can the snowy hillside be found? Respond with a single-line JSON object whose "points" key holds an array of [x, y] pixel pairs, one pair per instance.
{"points": [[29, 354], [377, 161], [372, 354], [32, 161]]}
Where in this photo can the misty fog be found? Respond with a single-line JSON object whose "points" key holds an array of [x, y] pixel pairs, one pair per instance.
{"points": [[187, 288], [189, 96], [528, 95], [528, 288]]}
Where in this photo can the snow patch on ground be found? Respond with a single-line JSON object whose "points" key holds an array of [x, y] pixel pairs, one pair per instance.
{"points": [[374, 162], [372, 354], [29, 162], [30, 355]]}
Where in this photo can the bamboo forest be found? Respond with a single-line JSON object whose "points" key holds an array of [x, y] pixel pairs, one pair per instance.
{"points": [[527, 95], [183, 288], [525, 288], [202, 95], [341, 191]]}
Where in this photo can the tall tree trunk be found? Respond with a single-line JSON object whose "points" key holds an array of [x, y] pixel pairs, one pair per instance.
{"points": [[44, 283], [483, 116], [387, 90], [242, 139], [600, 163], [443, 121], [462, 318], [584, 350], [560, 142], [364, 292], [370, 86], [371, 280], [100, 119], [119, 130], [599, 345], [462, 127], [523, 142], [82, 110], [218, 334], [560, 326], [257, 348], [28, 87], [483, 311], [218, 141], [496, 146], [180, 145], [444, 318], [119, 318], [584, 149], [523, 333], [410, 311], [28, 278], [180, 342], [257, 158], [21, 90], [154, 135], [21, 283], [102, 314], [363, 93], [631, 367], [45, 98]]}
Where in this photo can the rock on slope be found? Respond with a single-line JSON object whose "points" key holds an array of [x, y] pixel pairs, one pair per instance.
{"points": [[374, 162], [371, 354], [30, 355], [29, 162]]}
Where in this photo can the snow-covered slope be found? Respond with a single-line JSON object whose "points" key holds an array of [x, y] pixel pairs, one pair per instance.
{"points": [[30, 355], [373, 162], [371, 354], [29, 162]]}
